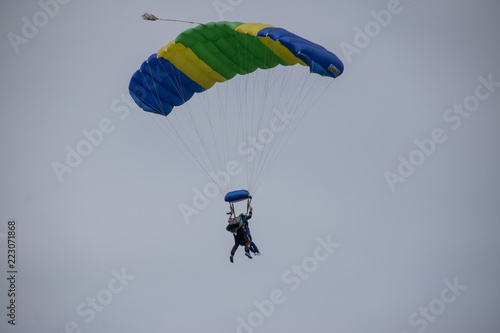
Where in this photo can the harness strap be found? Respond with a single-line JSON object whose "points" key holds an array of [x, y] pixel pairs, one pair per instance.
{"points": [[231, 206]]}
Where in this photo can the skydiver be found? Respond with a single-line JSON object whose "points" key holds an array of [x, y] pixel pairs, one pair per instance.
{"points": [[237, 227]]}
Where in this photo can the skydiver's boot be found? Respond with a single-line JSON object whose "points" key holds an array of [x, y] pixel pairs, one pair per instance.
{"points": [[248, 255], [231, 258]]}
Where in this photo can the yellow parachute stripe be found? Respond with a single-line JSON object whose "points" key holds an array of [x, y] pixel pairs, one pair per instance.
{"points": [[252, 28], [281, 51], [188, 62]]}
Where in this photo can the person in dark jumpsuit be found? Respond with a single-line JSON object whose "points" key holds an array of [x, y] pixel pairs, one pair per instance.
{"points": [[240, 233]]}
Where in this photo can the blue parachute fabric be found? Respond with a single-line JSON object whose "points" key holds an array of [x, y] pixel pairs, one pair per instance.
{"points": [[158, 86], [235, 196], [320, 60]]}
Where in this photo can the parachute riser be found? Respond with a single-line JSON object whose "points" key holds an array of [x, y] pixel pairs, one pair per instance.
{"points": [[231, 206], [233, 212], [249, 200]]}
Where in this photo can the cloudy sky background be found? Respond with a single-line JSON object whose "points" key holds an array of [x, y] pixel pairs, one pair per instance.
{"points": [[420, 256]]}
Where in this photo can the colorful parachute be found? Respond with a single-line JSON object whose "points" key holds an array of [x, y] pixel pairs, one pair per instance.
{"points": [[244, 123], [216, 52]]}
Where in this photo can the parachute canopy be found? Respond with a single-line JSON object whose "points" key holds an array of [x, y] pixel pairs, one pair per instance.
{"points": [[233, 130], [236, 196], [215, 52]]}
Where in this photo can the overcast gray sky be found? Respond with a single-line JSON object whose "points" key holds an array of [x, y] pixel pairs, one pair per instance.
{"points": [[381, 214]]}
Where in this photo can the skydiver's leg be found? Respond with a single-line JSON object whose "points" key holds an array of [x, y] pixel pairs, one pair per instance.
{"points": [[235, 246], [254, 248], [233, 250], [247, 246]]}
